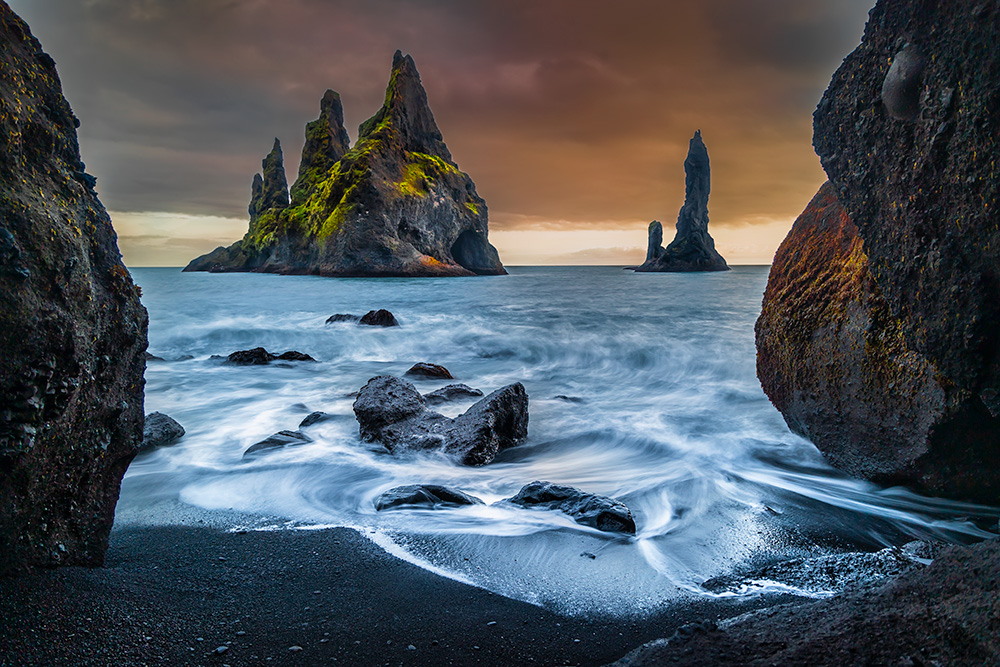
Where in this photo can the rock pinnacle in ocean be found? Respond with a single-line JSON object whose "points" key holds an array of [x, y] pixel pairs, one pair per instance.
{"points": [[326, 142], [271, 190]]}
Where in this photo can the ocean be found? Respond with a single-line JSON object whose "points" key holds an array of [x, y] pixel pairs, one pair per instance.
{"points": [[641, 387]]}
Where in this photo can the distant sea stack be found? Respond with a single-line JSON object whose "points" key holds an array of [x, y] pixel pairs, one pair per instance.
{"points": [[903, 380], [72, 330], [394, 205], [692, 248]]}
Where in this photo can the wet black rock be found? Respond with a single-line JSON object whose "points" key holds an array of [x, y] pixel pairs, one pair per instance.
{"points": [[391, 411], [160, 430], [258, 356], [315, 418], [379, 318], [426, 370], [425, 495], [342, 317], [152, 357], [279, 440], [588, 509], [72, 329], [452, 392], [693, 248]]}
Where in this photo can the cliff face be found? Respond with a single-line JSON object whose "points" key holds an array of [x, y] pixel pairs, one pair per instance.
{"points": [[394, 205], [693, 248], [907, 133], [72, 329]]}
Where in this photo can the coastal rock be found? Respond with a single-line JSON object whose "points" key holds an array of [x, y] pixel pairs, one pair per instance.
{"points": [[160, 430], [279, 440], [391, 411], [378, 318], [693, 248], [342, 317], [834, 360], [921, 186], [315, 418], [426, 370], [258, 356], [394, 205], [72, 329], [588, 509], [271, 190], [452, 392], [426, 495]]}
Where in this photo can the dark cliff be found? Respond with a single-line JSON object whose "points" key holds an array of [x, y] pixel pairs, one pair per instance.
{"points": [[72, 329], [394, 205], [693, 248], [907, 133]]}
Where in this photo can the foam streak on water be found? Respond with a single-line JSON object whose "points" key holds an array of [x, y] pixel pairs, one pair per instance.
{"points": [[642, 387]]}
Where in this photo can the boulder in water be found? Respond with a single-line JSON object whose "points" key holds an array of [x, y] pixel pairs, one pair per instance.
{"points": [[452, 392], [315, 418], [279, 440], [160, 430], [379, 318], [426, 370], [258, 356], [342, 317], [588, 509], [426, 495]]}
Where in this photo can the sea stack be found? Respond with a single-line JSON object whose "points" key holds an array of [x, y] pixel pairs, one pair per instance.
{"points": [[394, 205], [902, 377], [693, 248], [72, 330]]}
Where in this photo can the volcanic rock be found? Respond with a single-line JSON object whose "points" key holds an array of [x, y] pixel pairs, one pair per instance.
{"points": [[588, 509], [908, 134], [394, 205], [391, 411], [315, 418], [279, 440], [452, 392], [834, 360], [379, 318], [428, 495], [271, 191], [342, 317], [160, 430], [72, 330], [258, 356], [693, 248], [426, 370]]}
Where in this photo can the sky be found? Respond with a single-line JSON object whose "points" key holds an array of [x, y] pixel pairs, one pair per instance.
{"points": [[572, 116]]}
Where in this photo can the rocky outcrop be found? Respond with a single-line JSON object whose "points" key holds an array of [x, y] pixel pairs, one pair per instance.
{"points": [[452, 392], [394, 205], [379, 318], [271, 190], [72, 330], [424, 495], [160, 430], [259, 356], [427, 370], [907, 133], [391, 411], [693, 248], [315, 418], [279, 440], [834, 360], [588, 509]]}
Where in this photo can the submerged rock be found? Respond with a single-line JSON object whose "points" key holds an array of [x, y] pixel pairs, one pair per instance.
{"points": [[588, 509], [258, 356], [342, 317], [426, 370], [391, 411], [379, 318], [72, 330], [279, 440], [160, 430], [452, 392], [693, 248], [428, 495], [315, 418], [394, 205]]}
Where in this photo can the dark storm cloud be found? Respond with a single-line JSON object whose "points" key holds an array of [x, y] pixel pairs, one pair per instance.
{"points": [[565, 112]]}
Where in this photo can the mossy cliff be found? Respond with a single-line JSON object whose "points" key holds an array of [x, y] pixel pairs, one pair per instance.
{"points": [[394, 205], [908, 134], [72, 329]]}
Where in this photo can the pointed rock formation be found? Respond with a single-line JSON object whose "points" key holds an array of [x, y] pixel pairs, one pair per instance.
{"points": [[72, 330], [692, 248], [326, 142], [394, 205], [271, 191]]}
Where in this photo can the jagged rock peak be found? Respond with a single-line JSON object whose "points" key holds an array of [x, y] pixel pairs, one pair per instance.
{"points": [[271, 191], [326, 142], [693, 248], [407, 113]]}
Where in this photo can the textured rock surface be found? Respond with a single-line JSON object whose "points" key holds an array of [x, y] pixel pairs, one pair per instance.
{"points": [[907, 133], [427, 370], [159, 430], [72, 330], [394, 205], [258, 356], [589, 509], [271, 190], [693, 248], [425, 495], [279, 440], [391, 411], [833, 359], [452, 392], [379, 318]]}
